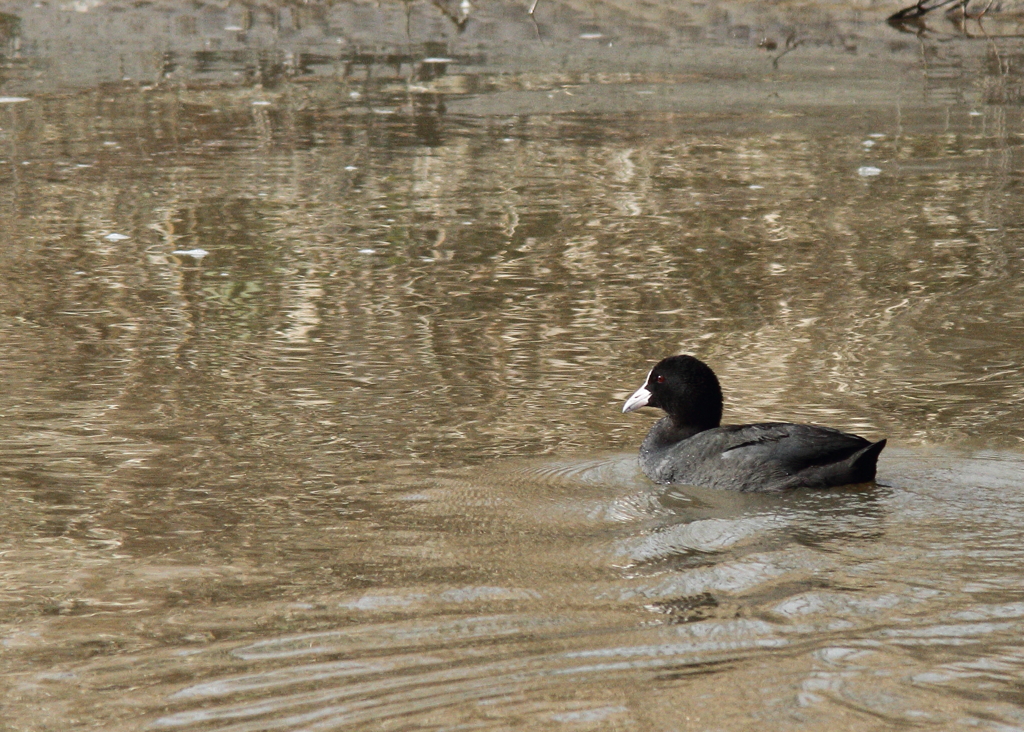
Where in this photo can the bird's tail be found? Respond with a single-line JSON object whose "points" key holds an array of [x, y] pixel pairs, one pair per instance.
{"points": [[864, 463]]}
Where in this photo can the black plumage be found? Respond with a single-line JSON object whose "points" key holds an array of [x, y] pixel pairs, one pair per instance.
{"points": [[689, 445]]}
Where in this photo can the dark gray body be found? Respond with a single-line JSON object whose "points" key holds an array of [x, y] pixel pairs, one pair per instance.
{"points": [[773, 456]]}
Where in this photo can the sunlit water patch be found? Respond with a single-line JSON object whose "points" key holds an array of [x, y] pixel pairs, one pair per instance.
{"points": [[809, 601]]}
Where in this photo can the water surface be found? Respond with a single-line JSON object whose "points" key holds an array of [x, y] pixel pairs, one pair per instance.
{"points": [[313, 369]]}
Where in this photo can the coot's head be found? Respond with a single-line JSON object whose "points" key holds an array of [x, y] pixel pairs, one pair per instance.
{"points": [[686, 388]]}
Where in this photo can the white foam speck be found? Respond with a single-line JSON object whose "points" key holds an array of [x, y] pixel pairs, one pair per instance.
{"points": [[194, 253]]}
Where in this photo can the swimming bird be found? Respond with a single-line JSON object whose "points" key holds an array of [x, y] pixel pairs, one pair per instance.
{"points": [[690, 445]]}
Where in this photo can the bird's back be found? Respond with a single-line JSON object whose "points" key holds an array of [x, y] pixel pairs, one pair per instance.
{"points": [[765, 457]]}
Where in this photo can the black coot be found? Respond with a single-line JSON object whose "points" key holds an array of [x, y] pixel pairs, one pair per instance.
{"points": [[688, 446]]}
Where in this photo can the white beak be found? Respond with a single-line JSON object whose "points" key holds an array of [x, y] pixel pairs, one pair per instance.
{"points": [[639, 399]]}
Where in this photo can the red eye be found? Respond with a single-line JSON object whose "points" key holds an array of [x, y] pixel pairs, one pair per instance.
{"points": [[660, 379]]}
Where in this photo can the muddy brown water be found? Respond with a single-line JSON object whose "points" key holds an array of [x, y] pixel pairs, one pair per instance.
{"points": [[312, 355]]}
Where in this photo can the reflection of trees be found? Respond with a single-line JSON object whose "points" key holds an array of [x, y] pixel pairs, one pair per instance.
{"points": [[524, 273], [522, 269], [266, 43]]}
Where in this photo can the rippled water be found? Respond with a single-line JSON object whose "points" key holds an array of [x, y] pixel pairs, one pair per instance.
{"points": [[312, 368]]}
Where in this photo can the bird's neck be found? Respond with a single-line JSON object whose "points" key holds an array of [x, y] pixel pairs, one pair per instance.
{"points": [[667, 431]]}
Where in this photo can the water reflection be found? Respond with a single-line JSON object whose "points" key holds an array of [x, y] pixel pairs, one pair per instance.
{"points": [[310, 406]]}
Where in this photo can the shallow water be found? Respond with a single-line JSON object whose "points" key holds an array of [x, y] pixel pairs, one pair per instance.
{"points": [[313, 355]]}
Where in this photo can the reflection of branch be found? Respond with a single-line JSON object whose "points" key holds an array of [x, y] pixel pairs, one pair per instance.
{"points": [[918, 26], [792, 43], [913, 25], [536, 27], [460, 23], [922, 7], [926, 6]]}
